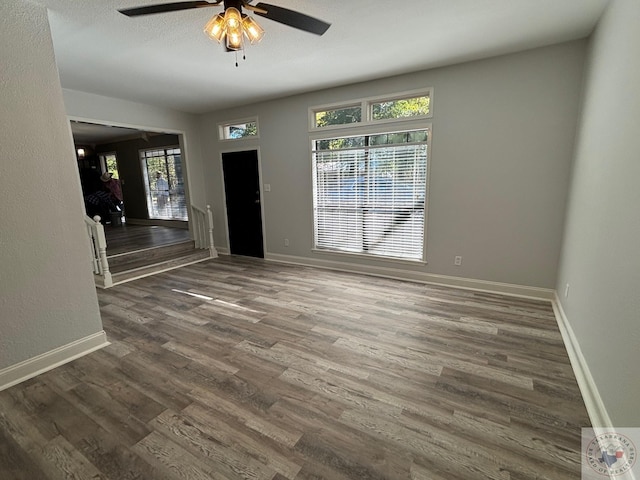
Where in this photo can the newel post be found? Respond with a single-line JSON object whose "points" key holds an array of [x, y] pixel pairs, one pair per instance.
{"points": [[212, 249]]}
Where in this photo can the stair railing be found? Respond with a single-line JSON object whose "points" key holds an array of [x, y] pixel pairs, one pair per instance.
{"points": [[202, 223], [98, 242]]}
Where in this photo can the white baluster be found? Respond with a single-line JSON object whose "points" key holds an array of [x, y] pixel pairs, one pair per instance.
{"points": [[200, 229], [102, 252], [212, 248], [194, 225], [94, 254]]}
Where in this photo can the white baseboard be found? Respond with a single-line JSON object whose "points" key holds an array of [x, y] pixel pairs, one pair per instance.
{"points": [[593, 402], [32, 367], [422, 277]]}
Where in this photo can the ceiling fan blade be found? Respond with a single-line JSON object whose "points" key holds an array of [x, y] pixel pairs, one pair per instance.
{"points": [[292, 18], [166, 7]]}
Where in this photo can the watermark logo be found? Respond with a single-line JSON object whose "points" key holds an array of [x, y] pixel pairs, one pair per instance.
{"points": [[609, 453]]}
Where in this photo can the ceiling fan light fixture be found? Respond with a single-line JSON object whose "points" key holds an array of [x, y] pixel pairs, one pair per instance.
{"points": [[252, 29], [232, 18], [234, 39], [215, 28], [233, 26]]}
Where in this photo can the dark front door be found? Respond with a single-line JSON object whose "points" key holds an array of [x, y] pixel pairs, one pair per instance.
{"points": [[244, 213]]}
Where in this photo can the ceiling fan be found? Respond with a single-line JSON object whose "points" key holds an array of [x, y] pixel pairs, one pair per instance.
{"points": [[232, 24]]}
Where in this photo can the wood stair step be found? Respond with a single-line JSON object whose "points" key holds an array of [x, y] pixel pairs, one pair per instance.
{"points": [[159, 265], [147, 256]]}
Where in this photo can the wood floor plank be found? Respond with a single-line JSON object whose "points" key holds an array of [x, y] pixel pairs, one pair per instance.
{"points": [[174, 461], [68, 463], [249, 417], [239, 368], [197, 438], [231, 432], [15, 462]]}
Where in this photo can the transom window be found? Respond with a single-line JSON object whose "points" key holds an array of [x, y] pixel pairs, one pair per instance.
{"points": [[414, 104], [370, 193], [338, 116], [238, 129], [401, 108]]}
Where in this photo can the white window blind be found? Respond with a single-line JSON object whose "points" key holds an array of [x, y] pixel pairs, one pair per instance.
{"points": [[369, 194]]}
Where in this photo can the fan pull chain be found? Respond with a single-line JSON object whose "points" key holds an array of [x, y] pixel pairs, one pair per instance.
{"points": [[244, 56]]}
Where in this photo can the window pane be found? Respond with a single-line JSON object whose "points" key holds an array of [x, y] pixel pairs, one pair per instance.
{"points": [[164, 184], [340, 116], [370, 199], [340, 143], [398, 137], [111, 164], [401, 108], [232, 131], [243, 130]]}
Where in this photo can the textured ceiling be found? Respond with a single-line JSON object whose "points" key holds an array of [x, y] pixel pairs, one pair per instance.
{"points": [[166, 59]]}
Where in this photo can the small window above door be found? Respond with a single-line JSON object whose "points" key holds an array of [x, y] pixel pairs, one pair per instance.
{"points": [[238, 129]]}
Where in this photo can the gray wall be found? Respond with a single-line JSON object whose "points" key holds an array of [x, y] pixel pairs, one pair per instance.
{"points": [[503, 135], [47, 294], [600, 258], [130, 169]]}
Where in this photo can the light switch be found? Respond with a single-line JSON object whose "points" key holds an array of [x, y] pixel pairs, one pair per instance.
{"points": [[267, 187]]}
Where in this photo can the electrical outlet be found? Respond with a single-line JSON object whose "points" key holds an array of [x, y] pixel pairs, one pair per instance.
{"points": [[286, 242], [566, 291], [457, 260]]}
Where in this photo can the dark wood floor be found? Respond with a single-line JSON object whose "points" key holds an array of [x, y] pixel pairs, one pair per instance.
{"points": [[241, 369], [129, 238]]}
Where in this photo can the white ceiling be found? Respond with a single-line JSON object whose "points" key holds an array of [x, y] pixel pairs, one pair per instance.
{"points": [[167, 60]]}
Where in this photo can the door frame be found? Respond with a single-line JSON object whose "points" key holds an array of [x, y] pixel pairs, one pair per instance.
{"points": [[261, 188], [184, 151]]}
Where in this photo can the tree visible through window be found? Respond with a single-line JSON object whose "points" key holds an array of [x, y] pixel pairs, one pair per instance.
{"points": [[401, 108], [239, 129], [339, 116], [396, 107], [110, 163]]}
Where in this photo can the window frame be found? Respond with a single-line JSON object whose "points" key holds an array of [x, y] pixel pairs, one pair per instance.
{"points": [[366, 106], [329, 108], [224, 126], [375, 128], [401, 96], [147, 182], [103, 162]]}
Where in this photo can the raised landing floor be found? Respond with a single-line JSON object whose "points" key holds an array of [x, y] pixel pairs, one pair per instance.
{"points": [[136, 251], [127, 238]]}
